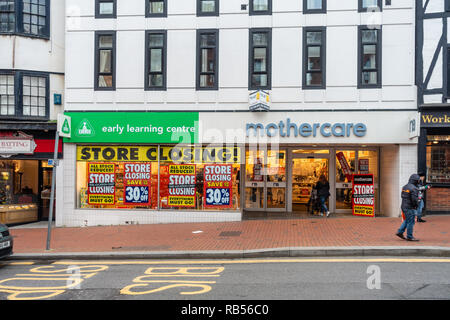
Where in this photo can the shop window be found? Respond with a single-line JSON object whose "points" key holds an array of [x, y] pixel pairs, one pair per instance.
{"points": [[188, 178], [438, 159], [18, 190]]}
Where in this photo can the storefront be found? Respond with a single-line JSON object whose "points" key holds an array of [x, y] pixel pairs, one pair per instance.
{"points": [[127, 168], [434, 158], [25, 177]]}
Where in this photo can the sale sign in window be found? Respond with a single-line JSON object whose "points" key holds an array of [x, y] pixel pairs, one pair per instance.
{"points": [[218, 182], [363, 195], [101, 183], [182, 185], [137, 182]]}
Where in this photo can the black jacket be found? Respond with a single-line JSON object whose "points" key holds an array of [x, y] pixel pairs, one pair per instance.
{"points": [[410, 193], [323, 189]]}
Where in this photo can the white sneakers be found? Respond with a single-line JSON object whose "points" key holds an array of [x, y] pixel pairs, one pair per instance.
{"points": [[328, 214]]}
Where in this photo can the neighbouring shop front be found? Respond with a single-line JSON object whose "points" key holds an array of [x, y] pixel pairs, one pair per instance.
{"points": [[131, 167], [25, 176], [434, 158]]}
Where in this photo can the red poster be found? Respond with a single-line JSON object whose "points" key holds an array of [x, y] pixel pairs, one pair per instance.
{"points": [[101, 183], [344, 165], [137, 183], [363, 197], [218, 186]]}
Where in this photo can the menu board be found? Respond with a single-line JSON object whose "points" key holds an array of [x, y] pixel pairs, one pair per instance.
{"points": [[363, 198], [181, 185], [218, 186], [101, 183]]}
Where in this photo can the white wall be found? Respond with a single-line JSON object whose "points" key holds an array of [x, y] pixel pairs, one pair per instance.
{"points": [[286, 22]]}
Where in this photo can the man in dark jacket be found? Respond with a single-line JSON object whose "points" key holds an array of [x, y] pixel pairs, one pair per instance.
{"points": [[410, 202]]}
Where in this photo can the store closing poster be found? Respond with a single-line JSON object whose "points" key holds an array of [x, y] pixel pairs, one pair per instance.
{"points": [[137, 183], [101, 183], [363, 195], [181, 189], [218, 186]]}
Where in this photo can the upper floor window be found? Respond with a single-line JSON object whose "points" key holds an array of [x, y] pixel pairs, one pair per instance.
{"points": [[369, 5], [105, 60], [314, 6], [207, 59], [369, 52], [260, 7], [7, 95], [155, 60], [156, 8], [207, 7], [24, 94], [314, 58], [7, 16], [105, 8], [260, 59], [25, 17]]}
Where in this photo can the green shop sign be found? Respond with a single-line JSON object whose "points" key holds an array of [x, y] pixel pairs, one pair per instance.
{"points": [[133, 127]]}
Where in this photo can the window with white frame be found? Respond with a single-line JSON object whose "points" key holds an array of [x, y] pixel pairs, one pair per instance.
{"points": [[7, 96], [34, 95]]}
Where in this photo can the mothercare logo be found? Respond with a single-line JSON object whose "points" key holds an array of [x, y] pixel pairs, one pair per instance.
{"points": [[85, 129]]}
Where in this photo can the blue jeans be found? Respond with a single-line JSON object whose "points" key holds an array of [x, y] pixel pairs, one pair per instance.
{"points": [[419, 209], [323, 206], [408, 224]]}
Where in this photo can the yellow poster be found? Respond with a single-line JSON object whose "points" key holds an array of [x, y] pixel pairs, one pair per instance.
{"points": [[181, 201], [101, 199]]}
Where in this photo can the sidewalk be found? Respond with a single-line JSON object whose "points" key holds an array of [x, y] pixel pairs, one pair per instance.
{"points": [[316, 236]]}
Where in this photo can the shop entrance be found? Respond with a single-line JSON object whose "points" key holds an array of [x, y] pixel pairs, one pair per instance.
{"points": [[306, 170]]}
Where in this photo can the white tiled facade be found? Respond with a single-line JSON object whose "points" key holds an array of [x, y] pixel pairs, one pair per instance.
{"points": [[397, 158]]}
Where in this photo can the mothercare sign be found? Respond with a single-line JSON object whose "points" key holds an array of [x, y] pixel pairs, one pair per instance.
{"points": [[133, 127]]}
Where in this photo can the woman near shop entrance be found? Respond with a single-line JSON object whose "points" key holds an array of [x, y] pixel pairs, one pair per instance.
{"points": [[323, 192]]}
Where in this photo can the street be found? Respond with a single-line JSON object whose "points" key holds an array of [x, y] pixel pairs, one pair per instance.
{"points": [[250, 279]]}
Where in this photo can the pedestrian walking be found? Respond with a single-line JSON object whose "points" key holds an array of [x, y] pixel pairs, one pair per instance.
{"points": [[323, 192], [410, 202], [422, 188]]}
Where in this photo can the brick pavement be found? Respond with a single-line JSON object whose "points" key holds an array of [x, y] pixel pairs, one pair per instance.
{"points": [[243, 235]]}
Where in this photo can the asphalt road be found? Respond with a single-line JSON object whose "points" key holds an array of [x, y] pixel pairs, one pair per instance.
{"points": [[250, 279]]}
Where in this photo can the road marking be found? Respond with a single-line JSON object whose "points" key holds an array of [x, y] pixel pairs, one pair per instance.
{"points": [[68, 278], [252, 261], [148, 279], [24, 263]]}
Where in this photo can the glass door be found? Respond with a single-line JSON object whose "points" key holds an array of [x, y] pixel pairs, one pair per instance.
{"points": [[306, 170], [345, 168], [265, 180]]}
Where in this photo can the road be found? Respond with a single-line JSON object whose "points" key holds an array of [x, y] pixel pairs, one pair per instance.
{"points": [[250, 279]]}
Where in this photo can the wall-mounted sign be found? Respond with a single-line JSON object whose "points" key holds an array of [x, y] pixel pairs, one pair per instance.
{"points": [[57, 99], [435, 119], [64, 126], [363, 196], [16, 143], [414, 126], [259, 101], [133, 127], [288, 128]]}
